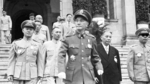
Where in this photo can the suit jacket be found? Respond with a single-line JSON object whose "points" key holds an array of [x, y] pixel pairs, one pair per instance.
{"points": [[66, 30], [25, 62], [80, 50], [139, 62], [111, 65]]}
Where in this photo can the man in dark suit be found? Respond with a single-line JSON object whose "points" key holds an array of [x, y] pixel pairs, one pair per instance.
{"points": [[110, 60]]}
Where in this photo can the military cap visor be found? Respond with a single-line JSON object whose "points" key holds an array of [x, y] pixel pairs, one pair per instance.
{"points": [[28, 24], [83, 13], [141, 31]]}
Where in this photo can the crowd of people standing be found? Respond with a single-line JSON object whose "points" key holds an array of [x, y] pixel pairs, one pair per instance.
{"points": [[72, 55]]}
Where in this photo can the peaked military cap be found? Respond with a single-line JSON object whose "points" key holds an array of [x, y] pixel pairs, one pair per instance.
{"points": [[83, 13], [28, 24], [142, 28]]}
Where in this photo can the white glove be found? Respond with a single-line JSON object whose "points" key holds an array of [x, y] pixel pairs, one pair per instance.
{"points": [[62, 75], [100, 72]]}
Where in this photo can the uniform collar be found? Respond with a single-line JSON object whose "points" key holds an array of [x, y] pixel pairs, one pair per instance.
{"points": [[80, 35], [142, 45]]}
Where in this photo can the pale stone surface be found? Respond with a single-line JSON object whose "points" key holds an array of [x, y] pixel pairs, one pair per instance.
{"points": [[130, 17], [65, 7]]}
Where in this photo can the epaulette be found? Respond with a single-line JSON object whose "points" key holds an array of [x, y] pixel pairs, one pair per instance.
{"points": [[17, 40], [133, 45], [88, 34], [69, 35]]}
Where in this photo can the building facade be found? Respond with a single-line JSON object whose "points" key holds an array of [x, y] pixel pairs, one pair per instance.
{"points": [[121, 15]]}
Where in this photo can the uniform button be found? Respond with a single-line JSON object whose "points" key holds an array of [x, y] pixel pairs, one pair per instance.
{"points": [[82, 50], [82, 64], [82, 43], [82, 57]]}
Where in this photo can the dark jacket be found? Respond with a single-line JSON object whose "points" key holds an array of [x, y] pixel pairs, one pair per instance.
{"points": [[112, 68]]}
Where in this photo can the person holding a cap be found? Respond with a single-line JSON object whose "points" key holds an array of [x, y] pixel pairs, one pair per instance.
{"points": [[25, 60], [138, 63], [82, 54]]}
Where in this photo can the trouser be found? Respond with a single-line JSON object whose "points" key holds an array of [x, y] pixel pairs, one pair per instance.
{"points": [[5, 36], [54, 80], [32, 81], [141, 82]]}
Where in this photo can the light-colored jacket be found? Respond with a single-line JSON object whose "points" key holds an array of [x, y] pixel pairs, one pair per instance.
{"points": [[25, 62], [50, 54], [45, 30], [5, 23], [68, 28], [40, 38], [139, 63]]}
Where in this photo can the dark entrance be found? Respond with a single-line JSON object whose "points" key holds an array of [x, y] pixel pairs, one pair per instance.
{"points": [[17, 19]]}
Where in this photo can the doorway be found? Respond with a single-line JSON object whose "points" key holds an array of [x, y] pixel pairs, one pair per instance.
{"points": [[17, 19]]}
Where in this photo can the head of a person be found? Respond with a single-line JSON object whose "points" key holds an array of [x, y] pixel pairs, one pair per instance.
{"points": [[106, 37], [39, 18], [82, 19], [69, 17], [38, 26], [62, 20], [28, 28], [142, 32], [31, 16], [58, 18], [56, 33], [4, 12]]}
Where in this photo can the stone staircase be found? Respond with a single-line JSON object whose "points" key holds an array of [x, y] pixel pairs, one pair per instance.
{"points": [[4, 49], [123, 51]]}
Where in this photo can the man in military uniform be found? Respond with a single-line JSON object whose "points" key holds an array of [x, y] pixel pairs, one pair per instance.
{"points": [[25, 61], [139, 57], [38, 36], [6, 25], [44, 29], [81, 49]]}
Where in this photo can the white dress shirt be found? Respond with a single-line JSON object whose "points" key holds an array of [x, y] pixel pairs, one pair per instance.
{"points": [[106, 48]]}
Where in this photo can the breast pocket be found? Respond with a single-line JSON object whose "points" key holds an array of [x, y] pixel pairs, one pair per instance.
{"points": [[88, 49], [74, 49], [139, 58], [50, 53]]}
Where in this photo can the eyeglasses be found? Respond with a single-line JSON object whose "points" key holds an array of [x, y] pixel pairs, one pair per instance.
{"points": [[144, 35]]}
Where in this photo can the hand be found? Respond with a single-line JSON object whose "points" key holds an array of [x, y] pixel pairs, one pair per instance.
{"points": [[10, 78], [62, 75], [40, 79], [100, 72], [96, 80]]}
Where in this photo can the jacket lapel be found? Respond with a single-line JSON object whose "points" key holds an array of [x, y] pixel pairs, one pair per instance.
{"points": [[110, 53], [102, 51]]}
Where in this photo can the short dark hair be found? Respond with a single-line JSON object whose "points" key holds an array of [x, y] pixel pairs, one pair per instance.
{"points": [[68, 14], [31, 14]]}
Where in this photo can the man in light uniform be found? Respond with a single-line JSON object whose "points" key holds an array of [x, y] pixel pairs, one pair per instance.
{"points": [[139, 57], [38, 36], [44, 29], [25, 61], [50, 54], [6, 25]]}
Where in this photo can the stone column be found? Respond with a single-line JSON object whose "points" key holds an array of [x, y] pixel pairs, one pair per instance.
{"points": [[65, 7], [1, 7], [130, 20]]}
